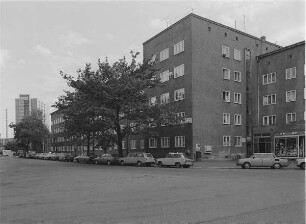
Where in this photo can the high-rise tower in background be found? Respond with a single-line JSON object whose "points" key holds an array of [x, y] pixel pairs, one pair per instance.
{"points": [[25, 105]]}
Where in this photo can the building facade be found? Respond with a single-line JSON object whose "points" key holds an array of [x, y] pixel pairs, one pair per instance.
{"points": [[205, 67], [279, 125]]}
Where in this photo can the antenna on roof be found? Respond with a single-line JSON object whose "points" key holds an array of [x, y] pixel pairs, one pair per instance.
{"points": [[191, 10], [235, 24], [244, 23]]}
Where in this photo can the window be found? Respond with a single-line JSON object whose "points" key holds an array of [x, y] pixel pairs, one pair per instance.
{"points": [[290, 117], [179, 71], [164, 54], [133, 144], [123, 144], [269, 120], [152, 101], [269, 78], [226, 96], [237, 98], [164, 76], [225, 51], [209, 28], [226, 73], [181, 114], [237, 76], [269, 99], [291, 73], [179, 94], [226, 140], [238, 141], [237, 119], [237, 55], [179, 141], [152, 143], [165, 142], [290, 95], [179, 47], [226, 118], [141, 144], [164, 98]]}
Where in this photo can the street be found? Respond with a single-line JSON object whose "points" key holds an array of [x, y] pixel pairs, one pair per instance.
{"points": [[36, 191]]}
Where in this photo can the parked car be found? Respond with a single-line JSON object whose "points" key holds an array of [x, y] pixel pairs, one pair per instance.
{"points": [[84, 159], [67, 157], [301, 163], [47, 156], [31, 155], [54, 156], [107, 159], [263, 160], [175, 159], [138, 158]]}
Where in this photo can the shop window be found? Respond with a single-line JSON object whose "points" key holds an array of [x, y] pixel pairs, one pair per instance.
{"points": [[286, 146], [262, 144]]}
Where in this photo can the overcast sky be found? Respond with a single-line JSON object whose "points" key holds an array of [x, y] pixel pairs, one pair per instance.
{"points": [[39, 39]]}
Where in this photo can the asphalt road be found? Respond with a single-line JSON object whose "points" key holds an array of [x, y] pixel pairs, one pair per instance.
{"points": [[36, 191]]}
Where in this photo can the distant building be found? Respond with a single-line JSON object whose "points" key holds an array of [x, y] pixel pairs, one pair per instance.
{"points": [[25, 105], [279, 102]]}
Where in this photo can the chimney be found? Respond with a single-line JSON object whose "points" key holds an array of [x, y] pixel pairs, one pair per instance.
{"points": [[263, 38]]}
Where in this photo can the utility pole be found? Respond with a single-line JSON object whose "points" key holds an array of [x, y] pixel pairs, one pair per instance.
{"points": [[6, 124]]}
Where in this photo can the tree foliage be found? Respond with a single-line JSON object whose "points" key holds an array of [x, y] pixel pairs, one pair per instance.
{"points": [[31, 132], [112, 101]]}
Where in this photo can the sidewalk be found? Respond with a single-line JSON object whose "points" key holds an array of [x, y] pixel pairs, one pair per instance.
{"points": [[229, 164]]}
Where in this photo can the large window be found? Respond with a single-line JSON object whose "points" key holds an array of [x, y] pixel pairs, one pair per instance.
{"points": [[269, 99], [290, 95], [237, 119], [269, 78], [164, 76], [133, 144], [238, 141], [262, 144], [237, 55], [225, 51], [165, 142], [179, 47], [226, 118], [226, 74], [269, 120], [179, 94], [290, 117], [152, 143], [164, 98], [237, 76], [226, 140], [178, 71], [179, 141], [164, 54], [291, 73], [237, 98]]}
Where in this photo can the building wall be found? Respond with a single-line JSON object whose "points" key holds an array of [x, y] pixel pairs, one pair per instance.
{"points": [[22, 107], [278, 62]]}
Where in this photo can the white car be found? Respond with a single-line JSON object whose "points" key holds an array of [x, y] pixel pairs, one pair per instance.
{"points": [[301, 163], [263, 160], [137, 158], [175, 159]]}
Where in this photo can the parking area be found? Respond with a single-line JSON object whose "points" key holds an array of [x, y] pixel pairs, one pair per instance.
{"points": [[37, 191]]}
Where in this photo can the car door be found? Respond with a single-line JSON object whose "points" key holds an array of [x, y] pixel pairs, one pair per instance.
{"points": [[268, 160], [169, 160], [256, 161]]}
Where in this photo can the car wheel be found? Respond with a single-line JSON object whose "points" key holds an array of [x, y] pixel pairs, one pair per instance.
{"points": [[276, 166], [302, 166], [177, 165], [246, 166], [160, 164], [108, 162], [139, 163], [122, 163]]}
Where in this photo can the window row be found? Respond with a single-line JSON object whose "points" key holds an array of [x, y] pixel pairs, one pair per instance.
{"points": [[271, 99], [179, 141], [226, 74], [227, 119], [57, 120], [271, 119], [226, 96], [271, 78], [177, 48], [177, 72], [57, 130], [179, 94], [226, 53], [227, 141]]}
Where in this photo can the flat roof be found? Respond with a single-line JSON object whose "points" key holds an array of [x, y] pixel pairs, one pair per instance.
{"points": [[282, 49], [210, 21]]}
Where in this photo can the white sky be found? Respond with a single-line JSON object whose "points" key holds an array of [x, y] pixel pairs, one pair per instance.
{"points": [[40, 38]]}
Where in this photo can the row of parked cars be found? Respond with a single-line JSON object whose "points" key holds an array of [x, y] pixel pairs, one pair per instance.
{"points": [[134, 158]]}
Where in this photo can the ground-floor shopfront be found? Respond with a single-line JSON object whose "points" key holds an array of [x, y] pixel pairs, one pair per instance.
{"points": [[284, 144]]}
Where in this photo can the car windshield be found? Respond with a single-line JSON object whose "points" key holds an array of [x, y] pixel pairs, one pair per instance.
{"points": [[148, 154]]}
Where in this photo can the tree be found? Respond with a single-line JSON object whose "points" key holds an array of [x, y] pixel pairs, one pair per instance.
{"points": [[115, 95], [12, 145], [31, 132]]}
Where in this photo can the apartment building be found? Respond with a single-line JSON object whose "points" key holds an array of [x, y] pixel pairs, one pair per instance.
{"points": [[279, 125], [205, 67]]}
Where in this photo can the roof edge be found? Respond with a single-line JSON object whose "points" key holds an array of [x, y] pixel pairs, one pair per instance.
{"points": [[282, 49]]}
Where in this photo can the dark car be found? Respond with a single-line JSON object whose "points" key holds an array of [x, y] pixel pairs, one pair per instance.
{"points": [[66, 157], [107, 159], [84, 159]]}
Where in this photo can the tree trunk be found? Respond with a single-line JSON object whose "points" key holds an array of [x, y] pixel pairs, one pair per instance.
{"points": [[93, 143], [88, 144]]}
